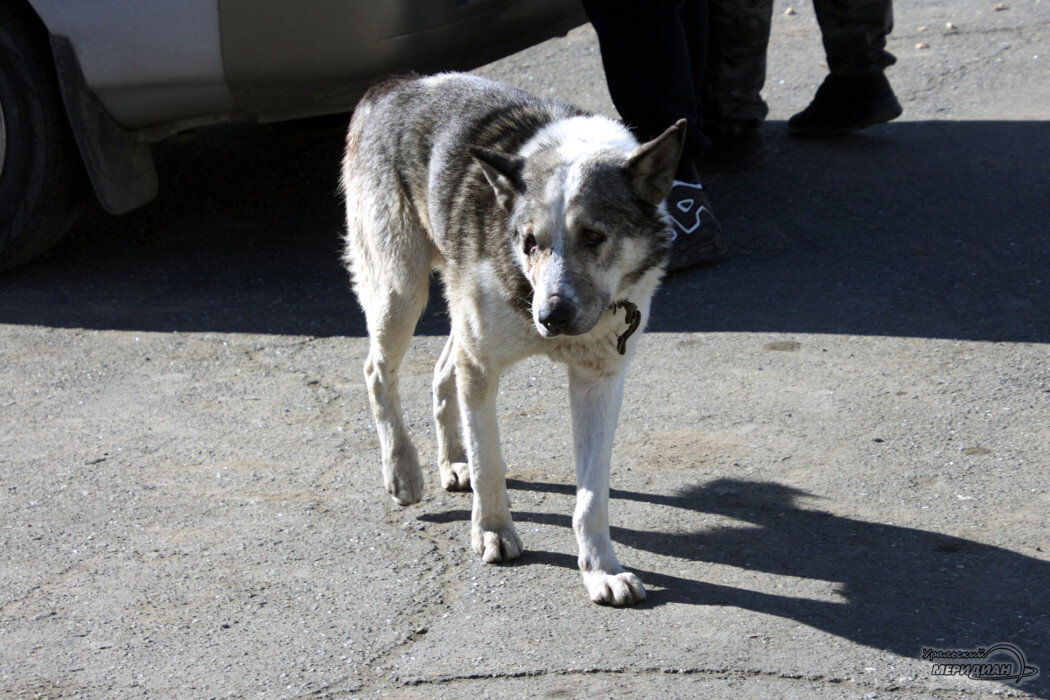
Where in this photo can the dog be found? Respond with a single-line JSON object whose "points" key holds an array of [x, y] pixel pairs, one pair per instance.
{"points": [[550, 233]]}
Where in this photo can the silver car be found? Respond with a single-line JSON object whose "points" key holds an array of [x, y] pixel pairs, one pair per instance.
{"points": [[86, 86]]}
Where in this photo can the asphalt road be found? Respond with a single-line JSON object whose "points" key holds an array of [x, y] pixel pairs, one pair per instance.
{"points": [[833, 451]]}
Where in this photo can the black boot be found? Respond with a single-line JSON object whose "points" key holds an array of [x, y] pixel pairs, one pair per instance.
{"points": [[846, 104]]}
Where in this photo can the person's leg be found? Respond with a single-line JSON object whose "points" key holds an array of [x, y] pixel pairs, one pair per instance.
{"points": [[856, 93], [733, 108], [648, 66], [854, 34], [654, 53]]}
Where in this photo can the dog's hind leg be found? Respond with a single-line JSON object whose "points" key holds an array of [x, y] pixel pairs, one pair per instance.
{"points": [[595, 399], [452, 458], [390, 259], [390, 336]]}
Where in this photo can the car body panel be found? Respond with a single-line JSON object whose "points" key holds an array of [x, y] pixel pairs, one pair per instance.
{"points": [[281, 60], [131, 72], [148, 62], [172, 62]]}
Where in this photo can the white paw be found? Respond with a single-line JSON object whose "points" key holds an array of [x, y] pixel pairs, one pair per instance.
{"points": [[501, 544], [404, 480], [614, 589], [455, 476]]}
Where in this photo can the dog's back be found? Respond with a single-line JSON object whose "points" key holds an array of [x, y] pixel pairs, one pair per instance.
{"points": [[410, 135]]}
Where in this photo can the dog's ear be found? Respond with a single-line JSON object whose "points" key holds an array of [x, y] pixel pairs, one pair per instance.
{"points": [[651, 167], [502, 172]]}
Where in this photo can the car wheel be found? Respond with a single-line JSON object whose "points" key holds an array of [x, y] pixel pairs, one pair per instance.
{"points": [[43, 186]]}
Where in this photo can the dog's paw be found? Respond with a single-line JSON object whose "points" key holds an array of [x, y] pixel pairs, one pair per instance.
{"points": [[501, 544], [614, 589], [455, 476], [404, 483], [406, 489]]}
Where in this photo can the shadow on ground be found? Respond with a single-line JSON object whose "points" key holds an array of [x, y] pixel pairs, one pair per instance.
{"points": [[903, 588], [927, 229]]}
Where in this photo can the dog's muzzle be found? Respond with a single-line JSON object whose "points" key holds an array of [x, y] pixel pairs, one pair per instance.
{"points": [[558, 316]]}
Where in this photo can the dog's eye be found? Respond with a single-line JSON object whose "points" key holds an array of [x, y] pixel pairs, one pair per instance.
{"points": [[593, 236], [530, 244]]}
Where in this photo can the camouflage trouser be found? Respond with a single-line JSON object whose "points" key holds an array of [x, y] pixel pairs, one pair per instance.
{"points": [[736, 63], [854, 34], [705, 60]]}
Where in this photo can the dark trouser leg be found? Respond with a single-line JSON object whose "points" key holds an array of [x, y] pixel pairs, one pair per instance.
{"points": [[736, 66], [854, 33], [650, 65], [654, 53]]}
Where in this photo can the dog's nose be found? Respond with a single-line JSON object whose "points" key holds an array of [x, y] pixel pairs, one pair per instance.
{"points": [[557, 314]]}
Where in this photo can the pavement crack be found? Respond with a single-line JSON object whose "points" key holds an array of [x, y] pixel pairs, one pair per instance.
{"points": [[713, 673], [444, 587], [961, 69]]}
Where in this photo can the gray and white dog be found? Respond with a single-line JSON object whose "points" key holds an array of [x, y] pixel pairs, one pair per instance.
{"points": [[550, 232]]}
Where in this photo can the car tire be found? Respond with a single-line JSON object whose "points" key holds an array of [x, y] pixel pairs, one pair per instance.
{"points": [[43, 185]]}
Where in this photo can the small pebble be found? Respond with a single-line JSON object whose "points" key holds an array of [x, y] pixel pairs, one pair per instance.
{"points": [[922, 45], [789, 11], [999, 7], [950, 28]]}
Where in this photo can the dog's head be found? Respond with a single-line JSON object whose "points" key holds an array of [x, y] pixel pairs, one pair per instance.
{"points": [[586, 218]]}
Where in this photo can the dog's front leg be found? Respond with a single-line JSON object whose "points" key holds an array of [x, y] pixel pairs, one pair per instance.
{"points": [[492, 533], [595, 398]]}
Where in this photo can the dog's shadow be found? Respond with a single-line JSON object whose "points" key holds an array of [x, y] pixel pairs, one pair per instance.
{"points": [[901, 588]]}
